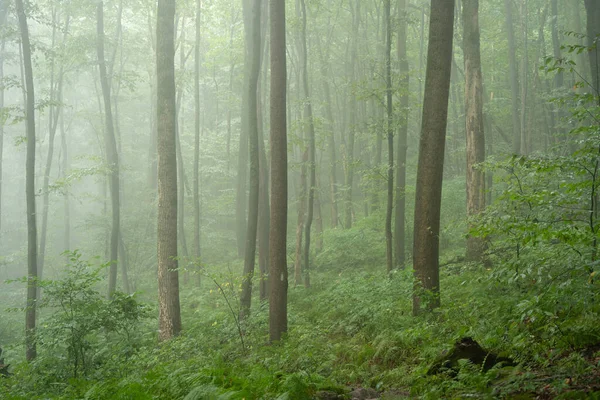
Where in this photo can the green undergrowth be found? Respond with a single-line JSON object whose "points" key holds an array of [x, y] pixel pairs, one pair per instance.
{"points": [[351, 329]]}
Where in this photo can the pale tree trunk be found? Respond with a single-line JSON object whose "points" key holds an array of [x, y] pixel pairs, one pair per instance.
{"points": [[333, 180], [252, 11], [169, 316], [390, 137], [514, 83], [402, 144], [349, 162], [593, 30], [182, 180], [308, 115], [56, 93], [3, 13], [263, 200], [196, 184], [474, 122], [30, 342], [278, 279], [431, 156], [524, 79], [301, 200], [65, 168], [112, 156]]}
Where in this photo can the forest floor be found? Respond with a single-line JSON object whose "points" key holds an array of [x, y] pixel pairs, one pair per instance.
{"points": [[351, 335]]}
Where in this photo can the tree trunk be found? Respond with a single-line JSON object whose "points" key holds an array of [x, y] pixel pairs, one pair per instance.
{"points": [[349, 164], [514, 83], [431, 156], [196, 188], [112, 157], [524, 80], [474, 122], [390, 137], [3, 13], [308, 115], [301, 200], [30, 345], [593, 30], [400, 221], [168, 280], [278, 280], [333, 181], [252, 11]]}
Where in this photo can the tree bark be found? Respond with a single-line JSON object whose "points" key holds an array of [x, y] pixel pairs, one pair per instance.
{"points": [[252, 9], [112, 157], [168, 278], [474, 122], [390, 137], [592, 8], [514, 83], [30, 342], [402, 144], [431, 156], [278, 280], [196, 173]]}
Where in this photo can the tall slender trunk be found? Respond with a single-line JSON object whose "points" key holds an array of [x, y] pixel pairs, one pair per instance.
{"points": [[169, 317], [263, 200], [431, 156], [196, 173], [390, 136], [3, 12], [593, 30], [112, 157], [56, 94], [474, 122], [524, 79], [333, 180], [278, 279], [308, 114], [400, 221], [514, 83], [349, 164], [30, 342], [252, 11]]}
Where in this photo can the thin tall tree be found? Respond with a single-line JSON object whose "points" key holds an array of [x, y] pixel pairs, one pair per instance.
{"points": [[169, 316], [402, 143], [474, 122], [431, 156], [390, 136], [112, 156], [196, 169], [278, 277], [30, 343], [514, 81], [253, 49]]}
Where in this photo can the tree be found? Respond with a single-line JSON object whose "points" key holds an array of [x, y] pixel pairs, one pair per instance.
{"points": [[3, 13], [514, 83], [169, 318], [431, 155], [196, 168], [593, 30], [402, 144], [253, 48], [278, 279], [474, 121], [390, 137], [30, 344], [308, 114], [112, 156]]}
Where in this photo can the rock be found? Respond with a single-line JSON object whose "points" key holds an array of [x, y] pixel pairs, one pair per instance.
{"points": [[328, 395], [364, 394]]}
